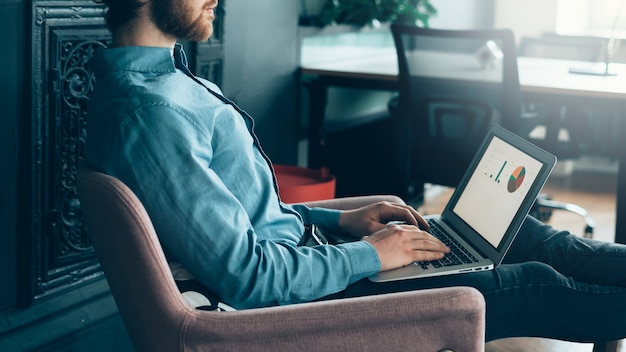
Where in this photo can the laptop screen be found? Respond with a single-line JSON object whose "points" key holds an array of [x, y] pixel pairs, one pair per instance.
{"points": [[496, 189]]}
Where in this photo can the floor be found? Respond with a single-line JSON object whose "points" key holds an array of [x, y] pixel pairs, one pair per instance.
{"points": [[593, 191]]}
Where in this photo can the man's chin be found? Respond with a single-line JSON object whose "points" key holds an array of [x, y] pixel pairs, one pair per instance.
{"points": [[205, 38], [201, 36]]}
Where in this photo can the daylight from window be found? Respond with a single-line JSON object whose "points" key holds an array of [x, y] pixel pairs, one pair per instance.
{"points": [[606, 18]]}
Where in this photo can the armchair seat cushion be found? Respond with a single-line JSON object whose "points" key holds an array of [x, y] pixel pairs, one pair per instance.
{"points": [[195, 294]]}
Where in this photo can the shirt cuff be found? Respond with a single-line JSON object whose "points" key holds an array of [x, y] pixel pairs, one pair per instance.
{"points": [[327, 218], [364, 259]]}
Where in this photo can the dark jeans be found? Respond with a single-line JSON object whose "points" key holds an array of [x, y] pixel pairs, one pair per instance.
{"points": [[551, 284]]}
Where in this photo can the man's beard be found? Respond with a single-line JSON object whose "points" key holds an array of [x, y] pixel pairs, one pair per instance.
{"points": [[172, 17]]}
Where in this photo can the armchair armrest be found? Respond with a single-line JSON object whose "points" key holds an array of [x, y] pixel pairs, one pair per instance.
{"points": [[425, 320], [353, 202]]}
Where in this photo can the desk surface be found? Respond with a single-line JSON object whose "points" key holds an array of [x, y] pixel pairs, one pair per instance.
{"points": [[536, 75]]}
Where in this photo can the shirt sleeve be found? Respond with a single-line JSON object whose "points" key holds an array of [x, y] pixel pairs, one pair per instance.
{"points": [[327, 218], [165, 155]]}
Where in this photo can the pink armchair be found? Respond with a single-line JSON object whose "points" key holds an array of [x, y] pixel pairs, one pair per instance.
{"points": [[158, 319]]}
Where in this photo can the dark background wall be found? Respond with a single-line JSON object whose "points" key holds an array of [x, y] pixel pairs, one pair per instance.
{"points": [[260, 50]]}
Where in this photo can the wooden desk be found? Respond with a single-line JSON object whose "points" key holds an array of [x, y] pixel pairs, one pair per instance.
{"points": [[538, 76], [539, 79]]}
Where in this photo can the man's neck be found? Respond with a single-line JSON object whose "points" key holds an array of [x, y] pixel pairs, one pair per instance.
{"points": [[142, 32]]}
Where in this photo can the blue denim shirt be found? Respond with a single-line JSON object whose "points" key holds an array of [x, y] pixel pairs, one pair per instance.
{"points": [[194, 162]]}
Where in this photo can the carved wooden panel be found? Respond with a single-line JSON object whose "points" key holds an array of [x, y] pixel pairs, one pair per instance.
{"points": [[65, 36]]}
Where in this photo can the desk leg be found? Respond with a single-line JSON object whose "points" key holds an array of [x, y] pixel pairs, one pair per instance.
{"points": [[317, 110], [620, 209]]}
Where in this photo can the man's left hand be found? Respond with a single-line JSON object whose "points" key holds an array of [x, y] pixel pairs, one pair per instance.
{"points": [[371, 218]]}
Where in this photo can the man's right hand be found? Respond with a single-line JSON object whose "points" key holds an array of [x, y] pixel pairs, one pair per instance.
{"points": [[400, 245]]}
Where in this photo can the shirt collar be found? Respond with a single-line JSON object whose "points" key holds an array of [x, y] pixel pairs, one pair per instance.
{"points": [[180, 59], [134, 58]]}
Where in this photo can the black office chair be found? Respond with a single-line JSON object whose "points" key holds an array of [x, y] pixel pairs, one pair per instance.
{"points": [[555, 46], [562, 130], [452, 85]]}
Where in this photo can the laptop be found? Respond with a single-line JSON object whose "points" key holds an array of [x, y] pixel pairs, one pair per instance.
{"points": [[486, 209]]}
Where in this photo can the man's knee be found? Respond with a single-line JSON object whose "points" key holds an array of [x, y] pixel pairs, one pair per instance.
{"points": [[537, 272]]}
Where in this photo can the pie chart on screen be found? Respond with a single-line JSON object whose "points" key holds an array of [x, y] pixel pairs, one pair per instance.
{"points": [[516, 179]]}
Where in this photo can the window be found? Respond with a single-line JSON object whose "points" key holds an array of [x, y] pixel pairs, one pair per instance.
{"points": [[604, 18]]}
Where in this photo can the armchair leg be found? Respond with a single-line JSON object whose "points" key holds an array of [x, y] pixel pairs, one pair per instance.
{"points": [[611, 346]]}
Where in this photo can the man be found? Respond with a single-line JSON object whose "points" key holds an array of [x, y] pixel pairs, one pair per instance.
{"points": [[192, 158]]}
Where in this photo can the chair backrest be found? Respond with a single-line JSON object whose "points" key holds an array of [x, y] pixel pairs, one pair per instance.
{"points": [[452, 85], [554, 46], [564, 130], [133, 261]]}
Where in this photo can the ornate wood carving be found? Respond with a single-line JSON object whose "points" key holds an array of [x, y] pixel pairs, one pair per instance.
{"points": [[65, 35]]}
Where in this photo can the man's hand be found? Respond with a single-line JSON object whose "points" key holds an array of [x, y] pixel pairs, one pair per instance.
{"points": [[375, 217], [399, 244]]}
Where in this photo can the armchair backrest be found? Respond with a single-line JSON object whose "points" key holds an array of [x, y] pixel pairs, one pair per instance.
{"points": [[133, 261]]}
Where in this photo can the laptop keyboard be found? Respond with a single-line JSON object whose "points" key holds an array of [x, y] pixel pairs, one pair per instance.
{"points": [[457, 256]]}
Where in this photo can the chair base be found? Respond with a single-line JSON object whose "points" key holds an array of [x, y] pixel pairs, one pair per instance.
{"points": [[542, 210]]}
